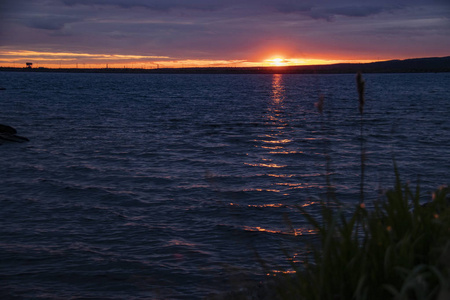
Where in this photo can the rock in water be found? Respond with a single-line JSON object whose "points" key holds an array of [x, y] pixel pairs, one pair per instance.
{"points": [[8, 133], [7, 129]]}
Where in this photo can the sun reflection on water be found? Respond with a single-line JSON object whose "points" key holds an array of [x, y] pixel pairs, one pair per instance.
{"points": [[284, 141], [268, 205], [280, 272], [278, 92], [294, 232], [277, 138], [277, 155], [266, 165]]}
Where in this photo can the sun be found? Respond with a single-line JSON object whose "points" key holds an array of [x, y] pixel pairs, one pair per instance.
{"points": [[276, 61]]}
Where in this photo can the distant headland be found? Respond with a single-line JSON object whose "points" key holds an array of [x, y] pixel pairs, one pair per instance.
{"points": [[415, 65]]}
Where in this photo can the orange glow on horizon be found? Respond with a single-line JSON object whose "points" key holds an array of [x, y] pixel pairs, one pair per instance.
{"points": [[277, 61], [45, 59]]}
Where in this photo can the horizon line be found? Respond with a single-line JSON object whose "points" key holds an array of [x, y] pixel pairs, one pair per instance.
{"points": [[425, 64]]}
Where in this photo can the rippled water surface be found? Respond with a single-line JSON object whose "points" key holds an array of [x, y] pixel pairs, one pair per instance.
{"points": [[165, 186]]}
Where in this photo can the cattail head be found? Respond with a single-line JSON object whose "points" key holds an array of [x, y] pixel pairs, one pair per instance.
{"points": [[360, 85]]}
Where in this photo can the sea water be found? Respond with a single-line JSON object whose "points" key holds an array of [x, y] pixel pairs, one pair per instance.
{"points": [[141, 186]]}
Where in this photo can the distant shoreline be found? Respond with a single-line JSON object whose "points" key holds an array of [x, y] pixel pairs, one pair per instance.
{"points": [[416, 65]]}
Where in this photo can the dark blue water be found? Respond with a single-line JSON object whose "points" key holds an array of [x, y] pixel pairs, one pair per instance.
{"points": [[165, 186]]}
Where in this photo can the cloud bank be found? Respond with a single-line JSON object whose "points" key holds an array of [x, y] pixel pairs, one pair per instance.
{"points": [[229, 29]]}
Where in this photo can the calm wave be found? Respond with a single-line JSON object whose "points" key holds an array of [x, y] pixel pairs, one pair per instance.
{"points": [[164, 186]]}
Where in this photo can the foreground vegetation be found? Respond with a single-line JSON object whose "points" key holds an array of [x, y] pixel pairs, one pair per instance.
{"points": [[397, 250]]}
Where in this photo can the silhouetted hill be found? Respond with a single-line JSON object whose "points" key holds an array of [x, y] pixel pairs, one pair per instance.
{"points": [[433, 64], [415, 65]]}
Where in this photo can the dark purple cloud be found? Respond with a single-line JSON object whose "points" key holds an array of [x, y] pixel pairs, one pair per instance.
{"points": [[229, 29], [315, 9], [50, 22], [329, 13], [153, 4]]}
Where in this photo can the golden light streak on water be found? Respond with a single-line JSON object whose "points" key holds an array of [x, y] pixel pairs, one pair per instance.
{"points": [[266, 165], [295, 232], [286, 152], [281, 175], [272, 147], [310, 203], [284, 141], [294, 185], [268, 205], [280, 272], [262, 190]]}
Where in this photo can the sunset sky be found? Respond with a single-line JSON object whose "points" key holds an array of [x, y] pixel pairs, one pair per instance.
{"points": [[186, 33]]}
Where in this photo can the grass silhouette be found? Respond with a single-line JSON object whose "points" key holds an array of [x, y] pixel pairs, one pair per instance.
{"points": [[399, 249]]}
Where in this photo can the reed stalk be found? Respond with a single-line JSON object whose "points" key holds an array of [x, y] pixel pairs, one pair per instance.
{"points": [[360, 85]]}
